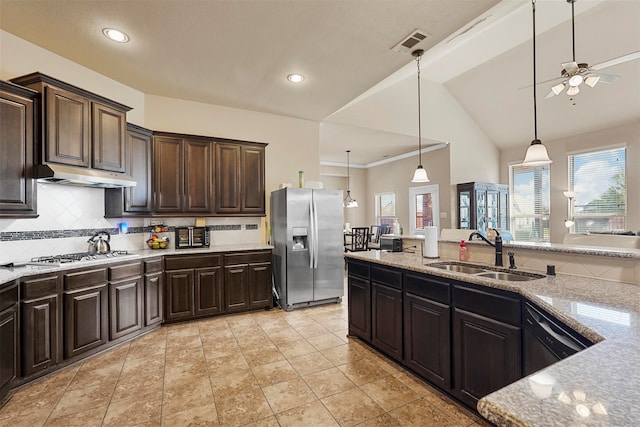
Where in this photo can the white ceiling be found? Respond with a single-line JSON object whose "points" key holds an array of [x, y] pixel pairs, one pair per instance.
{"points": [[238, 52]]}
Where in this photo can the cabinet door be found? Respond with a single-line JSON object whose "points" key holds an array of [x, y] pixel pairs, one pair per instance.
{"points": [[179, 294], [208, 290], [108, 130], [427, 337], [8, 349], [228, 171], [198, 176], [39, 334], [153, 284], [17, 192], [252, 180], [260, 284], [359, 299], [125, 307], [386, 319], [236, 286], [168, 173], [85, 320], [487, 355], [139, 149], [68, 124]]}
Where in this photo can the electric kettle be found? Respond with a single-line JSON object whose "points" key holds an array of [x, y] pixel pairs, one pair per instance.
{"points": [[99, 243]]}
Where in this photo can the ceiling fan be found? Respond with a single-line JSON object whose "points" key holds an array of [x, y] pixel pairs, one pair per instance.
{"points": [[574, 73]]}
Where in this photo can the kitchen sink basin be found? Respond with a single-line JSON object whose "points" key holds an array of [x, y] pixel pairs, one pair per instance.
{"points": [[485, 272], [511, 277]]}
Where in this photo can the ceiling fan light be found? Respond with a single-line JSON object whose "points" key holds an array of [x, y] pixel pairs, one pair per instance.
{"points": [[576, 80], [568, 223], [536, 154], [420, 175], [592, 80], [352, 204], [557, 89], [573, 90]]}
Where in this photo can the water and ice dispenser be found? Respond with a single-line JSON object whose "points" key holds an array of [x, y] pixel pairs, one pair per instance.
{"points": [[299, 238]]}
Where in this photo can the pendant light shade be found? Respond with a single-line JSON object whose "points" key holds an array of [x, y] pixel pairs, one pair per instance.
{"points": [[536, 153], [420, 175], [349, 201]]}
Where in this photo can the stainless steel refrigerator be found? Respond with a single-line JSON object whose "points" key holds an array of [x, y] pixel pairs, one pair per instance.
{"points": [[308, 259]]}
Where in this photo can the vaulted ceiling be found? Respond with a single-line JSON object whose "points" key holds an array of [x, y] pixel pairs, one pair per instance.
{"points": [[238, 54]]}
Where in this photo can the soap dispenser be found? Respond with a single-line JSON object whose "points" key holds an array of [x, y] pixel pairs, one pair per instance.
{"points": [[463, 252]]}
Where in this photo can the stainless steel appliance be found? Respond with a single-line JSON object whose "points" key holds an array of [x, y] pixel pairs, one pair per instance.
{"points": [[391, 244], [306, 231], [58, 260], [192, 237], [99, 243]]}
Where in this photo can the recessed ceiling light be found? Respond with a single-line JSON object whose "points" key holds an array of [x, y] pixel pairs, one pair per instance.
{"points": [[295, 78], [115, 35]]}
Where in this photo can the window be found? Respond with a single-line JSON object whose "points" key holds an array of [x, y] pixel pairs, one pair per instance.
{"points": [[599, 179], [530, 201], [424, 208], [385, 209]]}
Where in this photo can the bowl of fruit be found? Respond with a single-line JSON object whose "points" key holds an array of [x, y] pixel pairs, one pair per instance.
{"points": [[156, 242]]}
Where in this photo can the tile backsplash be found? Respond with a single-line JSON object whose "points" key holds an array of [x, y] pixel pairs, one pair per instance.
{"points": [[68, 216]]}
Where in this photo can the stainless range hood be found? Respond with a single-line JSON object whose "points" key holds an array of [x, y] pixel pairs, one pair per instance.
{"points": [[83, 177]]}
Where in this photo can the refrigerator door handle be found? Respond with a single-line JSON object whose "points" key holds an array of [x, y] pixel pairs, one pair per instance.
{"points": [[311, 235], [315, 235]]}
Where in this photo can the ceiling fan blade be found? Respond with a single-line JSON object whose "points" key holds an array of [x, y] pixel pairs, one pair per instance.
{"points": [[539, 83], [551, 94], [570, 67], [606, 78], [616, 61]]}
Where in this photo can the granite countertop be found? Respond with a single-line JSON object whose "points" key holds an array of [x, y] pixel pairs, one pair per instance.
{"points": [[10, 274], [598, 386]]}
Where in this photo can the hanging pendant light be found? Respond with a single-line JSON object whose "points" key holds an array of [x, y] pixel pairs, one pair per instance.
{"points": [[420, 175], [349, 201], [536, 153]]}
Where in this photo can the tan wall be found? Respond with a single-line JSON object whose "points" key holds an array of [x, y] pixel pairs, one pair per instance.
{"points": [[558, 149]]}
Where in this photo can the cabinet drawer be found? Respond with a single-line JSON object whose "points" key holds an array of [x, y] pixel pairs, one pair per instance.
{"points": [[153, 266], [387, 276], [358, 269], [120, 272], [427, 287], [8, 296], [85, 279], [489, 303], [246, 258], [38, 287], [179, 262]]}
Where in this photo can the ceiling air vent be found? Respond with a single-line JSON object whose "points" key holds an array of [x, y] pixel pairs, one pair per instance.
{"points": [[410, 41]]}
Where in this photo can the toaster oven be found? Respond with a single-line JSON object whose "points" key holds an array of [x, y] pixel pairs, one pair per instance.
{"points": [[192, 237]]}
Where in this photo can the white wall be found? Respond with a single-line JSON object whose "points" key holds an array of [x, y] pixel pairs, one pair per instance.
{"points": [[558, 149]]}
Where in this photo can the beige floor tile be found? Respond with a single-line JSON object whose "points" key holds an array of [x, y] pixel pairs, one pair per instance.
{"points": [[226, 365], [241, 321], [351, 407], [295, 348], [243, 408], [200, 416], [335, 325], [342, 335], [82, 399], [363, 371], [265, 422], [311, 329], [89, 418], [311, 414], [446, 405], [35, 417], [416, 384], [344, 353], [263, 356], [190, 393], [389, 393], [327, 382], [421, 413], [176, 370], [325, 341], [273, 373], [225, 387], [137, 384], [136, 363], [219, 347], [288, 394], [310, 363], [283, 334], [134, 410], [384, 420]]}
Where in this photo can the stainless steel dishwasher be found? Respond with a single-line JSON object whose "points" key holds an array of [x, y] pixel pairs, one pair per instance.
{"points": [[546, 340]]}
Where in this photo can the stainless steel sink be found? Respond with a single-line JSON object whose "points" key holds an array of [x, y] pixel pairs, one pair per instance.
{"points": [[459, 268], [512, 277]]}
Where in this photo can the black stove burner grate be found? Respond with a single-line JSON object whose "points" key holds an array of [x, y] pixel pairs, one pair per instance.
{"points": [[78, 256]]}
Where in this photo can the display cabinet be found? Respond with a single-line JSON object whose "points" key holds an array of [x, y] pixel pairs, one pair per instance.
{"points": [[483, 205]]}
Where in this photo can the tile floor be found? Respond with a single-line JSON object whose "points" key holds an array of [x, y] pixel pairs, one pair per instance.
{"points": [[269, 368]]}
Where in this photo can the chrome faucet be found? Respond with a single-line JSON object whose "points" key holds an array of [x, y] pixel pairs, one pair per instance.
{"points": [[497, 245]]}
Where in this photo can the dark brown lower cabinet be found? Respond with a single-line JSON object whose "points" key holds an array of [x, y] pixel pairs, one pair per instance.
{"points": [[153, 291], [208, 290], [85, 320], [9, 338], [260, 284], [125, 307], [236, 286], [386, 319], [247, 280], [179, 288], [40, 325], [359, 299]]}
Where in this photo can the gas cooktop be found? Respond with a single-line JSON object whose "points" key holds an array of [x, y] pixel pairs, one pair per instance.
{"points": [[58, 260]]}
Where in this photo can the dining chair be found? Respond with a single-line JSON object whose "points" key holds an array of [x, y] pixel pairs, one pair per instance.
{"points": [[359, 239]]}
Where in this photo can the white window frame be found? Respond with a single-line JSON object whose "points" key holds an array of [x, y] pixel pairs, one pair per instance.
{"points": [[389, 220], [543, 217], [434, 190]]}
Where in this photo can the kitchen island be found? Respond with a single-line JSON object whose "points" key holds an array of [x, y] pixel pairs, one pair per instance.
{"points": [[597, 386]]}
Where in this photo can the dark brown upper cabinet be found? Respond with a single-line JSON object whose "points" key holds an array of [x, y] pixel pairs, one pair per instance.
{"points": [[240, 185], [79, 128], [136, 200], [183, 174], [18, 190]]}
